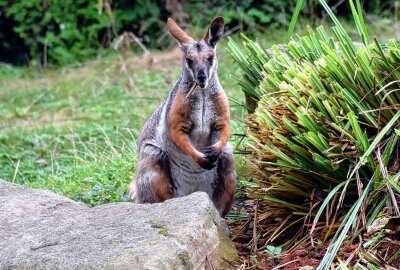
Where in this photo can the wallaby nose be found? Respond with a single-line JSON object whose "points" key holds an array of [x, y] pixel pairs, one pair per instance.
{"points": [[201, 77]]}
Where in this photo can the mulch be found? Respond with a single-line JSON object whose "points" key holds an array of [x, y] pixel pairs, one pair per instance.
{"points": [[311, 256]]}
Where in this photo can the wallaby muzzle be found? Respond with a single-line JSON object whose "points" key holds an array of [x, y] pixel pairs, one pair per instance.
{"points": [[202, 79]]}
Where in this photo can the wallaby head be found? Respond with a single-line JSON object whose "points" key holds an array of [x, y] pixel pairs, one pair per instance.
{"points": [[200, 61]]}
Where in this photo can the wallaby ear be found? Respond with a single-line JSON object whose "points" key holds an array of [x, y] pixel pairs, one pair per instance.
{"points": [[215, 31], [177, 32]]}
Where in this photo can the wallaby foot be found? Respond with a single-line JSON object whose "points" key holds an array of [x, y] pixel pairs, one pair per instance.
{"points": [[224, 189], [152, 183]]}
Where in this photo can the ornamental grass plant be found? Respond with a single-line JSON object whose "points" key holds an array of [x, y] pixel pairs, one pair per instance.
{"points": [[323, 136]]}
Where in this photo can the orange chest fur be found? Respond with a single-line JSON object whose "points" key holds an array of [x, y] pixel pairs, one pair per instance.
{"points": [[197, 115]]}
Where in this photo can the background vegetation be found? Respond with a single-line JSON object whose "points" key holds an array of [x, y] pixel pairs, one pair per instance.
{"points": [[63, 32]]}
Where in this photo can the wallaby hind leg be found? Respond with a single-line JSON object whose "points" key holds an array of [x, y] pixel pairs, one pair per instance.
{"points": [[153, 181], [225, 184]]}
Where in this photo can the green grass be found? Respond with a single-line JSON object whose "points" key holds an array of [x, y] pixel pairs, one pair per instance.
{"points": [[74, 131]]}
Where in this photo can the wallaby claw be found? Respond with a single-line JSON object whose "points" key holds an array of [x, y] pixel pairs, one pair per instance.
{"points": [[211, 153], [207, 164]]}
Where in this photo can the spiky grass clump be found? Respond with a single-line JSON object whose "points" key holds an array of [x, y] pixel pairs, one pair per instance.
{"points": [[324, 138]]}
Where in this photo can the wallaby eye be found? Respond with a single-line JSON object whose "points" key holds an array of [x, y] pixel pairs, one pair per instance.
{"points": [[189, 61], [210, 59]]}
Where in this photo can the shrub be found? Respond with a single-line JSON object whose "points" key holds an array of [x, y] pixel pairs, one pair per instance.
{"points": [[324, 138], [62, 31]]}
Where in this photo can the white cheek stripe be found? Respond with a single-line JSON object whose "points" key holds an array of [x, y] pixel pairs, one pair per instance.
{"points": [[162, 124], [191, 72]]}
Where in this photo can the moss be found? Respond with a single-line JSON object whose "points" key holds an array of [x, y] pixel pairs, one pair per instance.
{"points": [[162, 229]]}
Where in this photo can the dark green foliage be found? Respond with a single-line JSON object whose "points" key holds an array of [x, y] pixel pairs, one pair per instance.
{"points": [[248, 13], [68, 30], [60, 32]]}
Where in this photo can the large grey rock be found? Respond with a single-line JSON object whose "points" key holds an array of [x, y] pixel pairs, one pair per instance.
{"points": [[42, 230]]}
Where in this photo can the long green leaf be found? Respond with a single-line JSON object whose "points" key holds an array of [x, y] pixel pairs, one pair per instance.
{"points": [[293, 21]]}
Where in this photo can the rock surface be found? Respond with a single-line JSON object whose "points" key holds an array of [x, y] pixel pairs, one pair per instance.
{"points": [[42, 230]]}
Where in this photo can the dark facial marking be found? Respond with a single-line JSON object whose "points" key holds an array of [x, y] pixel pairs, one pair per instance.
{"points": [[189, 61], [198, 46]]}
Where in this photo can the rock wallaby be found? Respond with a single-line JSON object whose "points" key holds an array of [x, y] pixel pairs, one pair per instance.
{"points": [[184, 146]]}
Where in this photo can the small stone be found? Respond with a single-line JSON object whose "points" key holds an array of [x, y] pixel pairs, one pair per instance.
{"points": [[307, 267]]}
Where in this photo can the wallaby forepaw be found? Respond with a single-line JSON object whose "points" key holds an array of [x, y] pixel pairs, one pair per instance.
{"points": [[211, 153], [207, 163]]}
